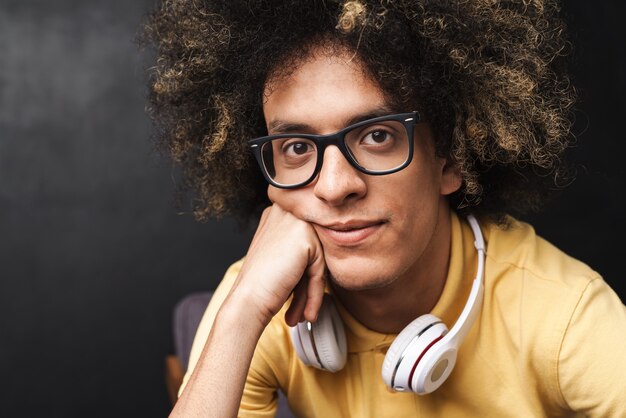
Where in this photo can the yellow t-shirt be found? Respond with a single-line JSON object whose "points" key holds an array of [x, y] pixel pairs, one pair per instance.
{"points": [[550, 339]]}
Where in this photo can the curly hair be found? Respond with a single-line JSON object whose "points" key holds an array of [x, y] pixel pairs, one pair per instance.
{"points": [[489, 75]]}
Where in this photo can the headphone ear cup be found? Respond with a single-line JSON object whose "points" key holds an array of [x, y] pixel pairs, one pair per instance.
{"points": [[330, 337], [407, 350], [301, 343], [322, 344], [434, 368]]}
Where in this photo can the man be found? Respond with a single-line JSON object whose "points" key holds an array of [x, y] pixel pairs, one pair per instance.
{"points": [[380, 127]]}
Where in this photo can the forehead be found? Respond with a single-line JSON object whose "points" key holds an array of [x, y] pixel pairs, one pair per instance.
{"points": [[323, 88]]}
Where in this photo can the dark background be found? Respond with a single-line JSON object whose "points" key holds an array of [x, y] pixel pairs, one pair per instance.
{"points": [[93, 254]]}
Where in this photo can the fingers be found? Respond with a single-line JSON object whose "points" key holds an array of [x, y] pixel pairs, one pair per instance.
{"points": [[296, 309], [261, 226], [309, 292], [316, 285], [264, 216]]}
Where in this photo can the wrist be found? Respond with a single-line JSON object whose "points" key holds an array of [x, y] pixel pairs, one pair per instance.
{"points": [[242, 307]]}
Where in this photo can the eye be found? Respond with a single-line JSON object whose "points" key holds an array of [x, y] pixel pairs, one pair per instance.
{"points": [[377, 137], [297, 148], [293, 148]]}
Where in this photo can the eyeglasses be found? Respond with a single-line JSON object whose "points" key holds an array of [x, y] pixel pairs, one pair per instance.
{"points": [[378, 146]]}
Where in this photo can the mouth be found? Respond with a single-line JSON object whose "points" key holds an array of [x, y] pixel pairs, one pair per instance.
{"points": [[349, 233]]}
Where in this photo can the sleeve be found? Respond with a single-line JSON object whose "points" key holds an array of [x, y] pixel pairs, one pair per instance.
{"points": [[591, 362], [259, 397]]}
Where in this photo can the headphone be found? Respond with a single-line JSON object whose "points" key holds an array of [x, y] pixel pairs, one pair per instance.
{"points": [[420, 358]]}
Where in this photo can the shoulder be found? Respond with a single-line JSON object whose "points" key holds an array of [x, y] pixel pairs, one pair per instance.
{"points": [[557, 314], [532, 287], [516, 247]]}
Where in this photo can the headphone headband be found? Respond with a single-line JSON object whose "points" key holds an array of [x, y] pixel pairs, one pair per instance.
{"points": [[470, 311]]}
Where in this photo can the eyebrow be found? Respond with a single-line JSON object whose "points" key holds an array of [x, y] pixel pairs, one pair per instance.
{"points": [[279, 126]]}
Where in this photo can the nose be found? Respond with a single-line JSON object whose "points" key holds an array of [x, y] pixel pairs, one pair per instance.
{"points": [[338, 182]]}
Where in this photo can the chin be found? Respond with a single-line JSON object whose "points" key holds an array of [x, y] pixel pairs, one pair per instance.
{"points": [[358, 276]]}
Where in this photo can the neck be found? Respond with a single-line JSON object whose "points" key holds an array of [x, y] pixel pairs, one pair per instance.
{"points": [[391, 308]]}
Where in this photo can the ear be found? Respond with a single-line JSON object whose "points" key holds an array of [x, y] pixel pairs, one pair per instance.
{"points": [[450, 178]]}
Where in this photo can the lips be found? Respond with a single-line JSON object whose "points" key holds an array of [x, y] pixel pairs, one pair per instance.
{"points": [[349, 233]]}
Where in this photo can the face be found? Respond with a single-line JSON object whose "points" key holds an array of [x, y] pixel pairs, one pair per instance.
{"points": [[374, 229]]}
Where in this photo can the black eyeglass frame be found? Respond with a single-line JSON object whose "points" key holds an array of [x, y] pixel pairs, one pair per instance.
{"points": [[338, 139]]}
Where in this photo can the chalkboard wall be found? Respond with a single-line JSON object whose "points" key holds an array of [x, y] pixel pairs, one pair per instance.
{"points": [[93, 254]]}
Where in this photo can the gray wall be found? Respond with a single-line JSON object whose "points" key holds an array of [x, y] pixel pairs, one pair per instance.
{"points": [[93, 255]]}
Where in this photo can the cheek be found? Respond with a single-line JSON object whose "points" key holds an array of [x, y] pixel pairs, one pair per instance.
{"points": [[278, 196], [290, 200], [416, 199], [273, 193], [420, 181]]}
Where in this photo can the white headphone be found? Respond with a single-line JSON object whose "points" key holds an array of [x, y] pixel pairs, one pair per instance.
{"points": [[421, 357]]}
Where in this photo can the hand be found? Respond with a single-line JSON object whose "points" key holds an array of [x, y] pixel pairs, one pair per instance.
{"points": [[285, 256]]}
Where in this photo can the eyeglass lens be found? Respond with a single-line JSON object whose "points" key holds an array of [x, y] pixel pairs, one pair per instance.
{"points": [[375, 147]]}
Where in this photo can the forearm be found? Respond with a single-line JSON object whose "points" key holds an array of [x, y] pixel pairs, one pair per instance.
{"points": [[217, 382], [285, 257]]}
